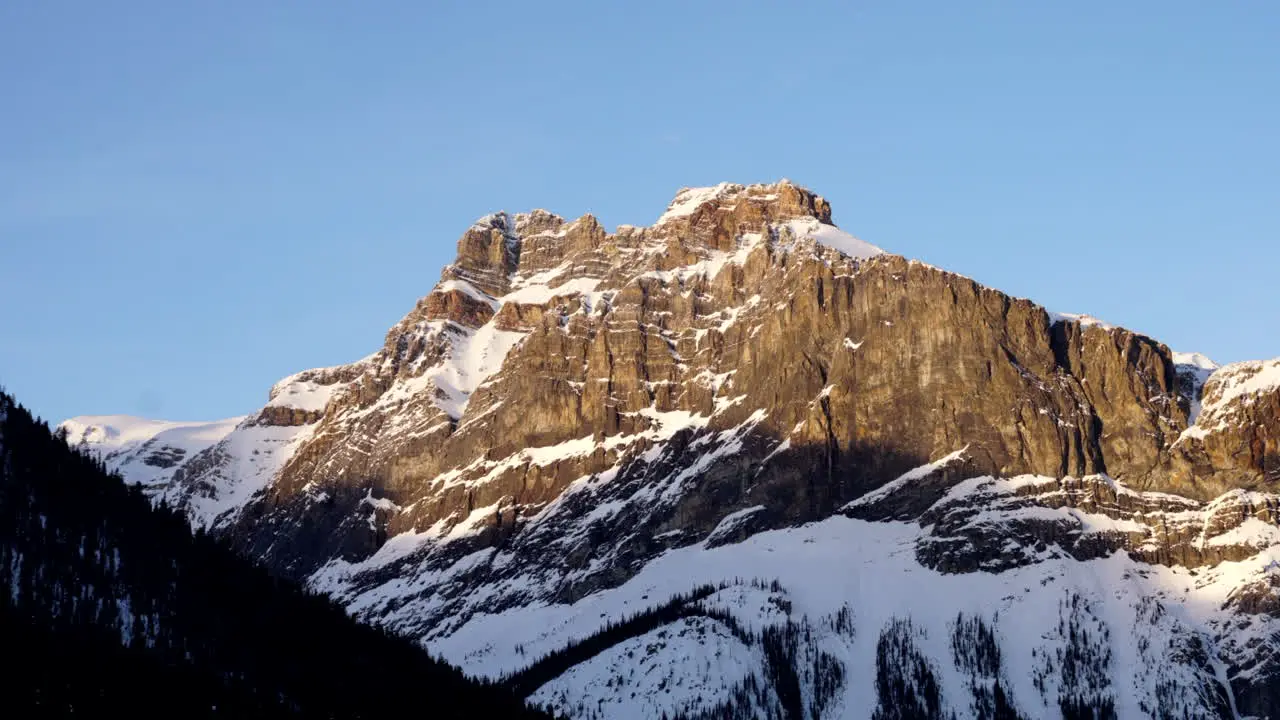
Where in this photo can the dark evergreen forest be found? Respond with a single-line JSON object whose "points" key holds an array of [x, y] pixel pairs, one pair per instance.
{"points": [[110, 605]]}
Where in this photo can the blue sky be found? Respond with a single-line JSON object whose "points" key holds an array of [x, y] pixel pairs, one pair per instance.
{"points": [[197, 199]]}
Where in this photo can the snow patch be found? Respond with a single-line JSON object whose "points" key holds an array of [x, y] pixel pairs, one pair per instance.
{"points": [[908, 477], [1194, 359], [473, 356], [833, 237], [688, 200], [540, 294], [305, 395], [730, 522], [468, 289], [1084, 320]]}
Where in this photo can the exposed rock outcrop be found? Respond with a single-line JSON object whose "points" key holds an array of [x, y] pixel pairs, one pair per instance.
{"points": [[1235, 442]]}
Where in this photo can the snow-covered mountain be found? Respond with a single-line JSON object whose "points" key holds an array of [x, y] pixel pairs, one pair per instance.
{"points": [[743, 464]]}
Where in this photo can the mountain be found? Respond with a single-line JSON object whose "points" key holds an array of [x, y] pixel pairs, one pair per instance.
{"points": [[110, 606], [742, 464]]}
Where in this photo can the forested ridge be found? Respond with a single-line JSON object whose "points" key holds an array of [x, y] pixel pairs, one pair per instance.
{"points": [[108, 604]]}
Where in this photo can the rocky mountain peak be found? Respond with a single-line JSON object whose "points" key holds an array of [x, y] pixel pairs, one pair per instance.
{"points": [[776, 202], [500, 245], [569, 409]]}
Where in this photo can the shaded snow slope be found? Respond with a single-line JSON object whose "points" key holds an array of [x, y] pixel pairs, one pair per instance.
{"points": [[1143, 612]]}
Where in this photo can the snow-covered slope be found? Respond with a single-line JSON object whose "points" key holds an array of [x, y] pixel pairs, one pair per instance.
{"points": [[1122, 619], [1238, 383], [742, 464], [145, 451], [211, 470]]}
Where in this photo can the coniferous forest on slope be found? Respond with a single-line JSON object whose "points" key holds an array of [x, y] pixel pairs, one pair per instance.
{"points": [[110, 605]]}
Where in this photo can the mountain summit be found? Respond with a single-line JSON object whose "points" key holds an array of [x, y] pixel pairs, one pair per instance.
{"points": [[741, 463]]}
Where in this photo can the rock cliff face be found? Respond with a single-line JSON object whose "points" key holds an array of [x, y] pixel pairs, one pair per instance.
{"points": [[570, 411], [1235, 442]]}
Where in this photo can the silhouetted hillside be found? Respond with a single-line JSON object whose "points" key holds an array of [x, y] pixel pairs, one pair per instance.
{"points": [[109, 605]]}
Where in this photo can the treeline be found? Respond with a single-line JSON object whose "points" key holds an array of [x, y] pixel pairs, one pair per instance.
{"points": [[977, 654], [108, 605], [525, 682], [906, 688], [793, 664], [1082, 664]]}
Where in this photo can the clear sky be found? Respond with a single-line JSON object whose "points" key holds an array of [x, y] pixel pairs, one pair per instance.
{"points": [[199, 198]]}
